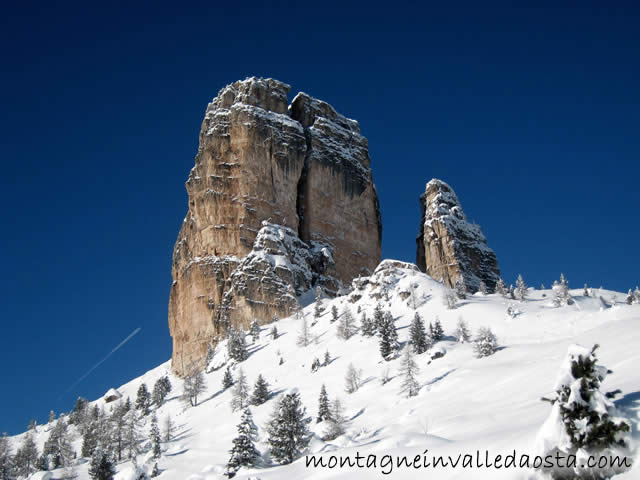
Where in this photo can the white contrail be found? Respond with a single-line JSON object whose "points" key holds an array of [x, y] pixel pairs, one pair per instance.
{"points": [[131, 335]]}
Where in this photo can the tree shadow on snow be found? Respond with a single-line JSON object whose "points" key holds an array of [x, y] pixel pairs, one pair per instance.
{"points": [[359, 412], [630, 405], [440, 377]]}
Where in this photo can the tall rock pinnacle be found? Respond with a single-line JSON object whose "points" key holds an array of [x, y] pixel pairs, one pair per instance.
{"points": [[449, 247], [281, 198]]}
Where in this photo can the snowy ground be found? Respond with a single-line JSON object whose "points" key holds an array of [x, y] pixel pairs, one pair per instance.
{"points": [[465, 404]]}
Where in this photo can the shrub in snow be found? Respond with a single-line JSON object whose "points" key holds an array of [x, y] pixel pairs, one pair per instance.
{"points": [[287, 429], [485, 343], [352, 379], [462, 331], [583, 420], [243, 453], [512, 311]]}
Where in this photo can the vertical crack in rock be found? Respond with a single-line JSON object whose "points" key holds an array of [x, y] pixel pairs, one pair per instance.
{"points": [[301, 167], [449, 247]]}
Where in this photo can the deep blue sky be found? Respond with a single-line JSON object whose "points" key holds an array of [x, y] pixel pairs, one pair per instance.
{"points": [[531, 114]]}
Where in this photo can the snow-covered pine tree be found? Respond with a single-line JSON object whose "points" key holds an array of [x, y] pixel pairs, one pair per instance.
{"points": [[194, 385], [378, 317], [6, 459], [485, 343], [143, 400], [154, 434], [132, 436], [237, 345], [168, 428], [315, 365], [336, 421], [90, 437], [482, 288], [243, 453], [585, 292], [450, 299], [26, 457], [437, 333], [409, 371], [159, 393], [367, 326], [240, 392], [346, 325], [261, 391], [583, 420], [629, 297], [418, 335], [327, 358], [636, 295], [211, 351], [274, 332], [288, 429], [511, 293], [304, 335], [461, 289], [352, 379], [561, 295], [254, 330], [521, 289], [462, 331], [501, 288], [79, 412], [389, 345], [59, 446], [51, 418], [101, 466], [334, 314], [324, 411]]}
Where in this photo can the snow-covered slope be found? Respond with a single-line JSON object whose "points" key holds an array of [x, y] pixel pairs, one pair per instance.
{"points": [[465, 404]]}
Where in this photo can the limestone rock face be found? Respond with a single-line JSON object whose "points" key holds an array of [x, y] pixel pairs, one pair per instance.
{"points": [[302, 168], [449, 247]]}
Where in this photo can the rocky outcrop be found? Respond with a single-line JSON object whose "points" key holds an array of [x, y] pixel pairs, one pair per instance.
{"points": [[449, 247], [305, 170]]}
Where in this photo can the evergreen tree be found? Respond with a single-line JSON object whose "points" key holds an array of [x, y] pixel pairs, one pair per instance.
{"points": [[378, 317], [58, 446], [243, 453], [101, 466], [315, 365], [462, 331], [450, 299], [418, 335], [629, 297], [117, 429], [482, 287], [79, 413], [367, 326], [584, 421], [254, 330], [636, 295], [43, 463], [194, 386], [318, 308], [437, 332], [261, 391], [461, 289], [485, 343], [274, 332], [561, 292], [327, 358], [346, 326], [156, 471], [160, 391], [521, 289], [143, 400], [155, 438], [127, 403], [585, 292], [334, 314], [409, 371], [52, 417], [288, 431], [132, 435], [240, 392], [324, 412], [352, 379], [168, 428], [501, 288], [237, 345], [90, 438], [389, 345], [336, 421], [6, 459], [26, 457], [211, 352], [304, 336]]}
